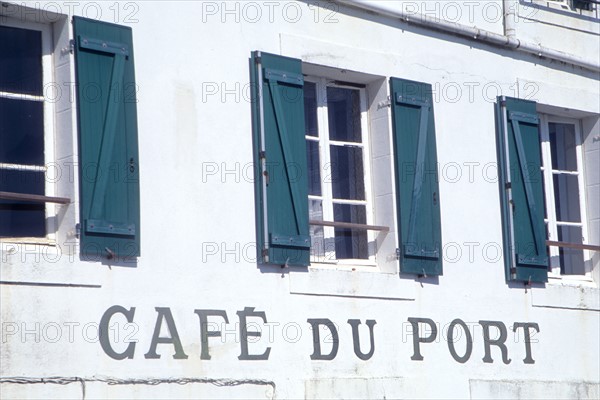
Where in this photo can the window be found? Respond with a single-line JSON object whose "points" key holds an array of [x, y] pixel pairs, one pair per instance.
{"points": [[587, 5], [26, 133], [314, 195], [542, 186], [22, 162], [564, 188], [39, 198], [338, 171]]}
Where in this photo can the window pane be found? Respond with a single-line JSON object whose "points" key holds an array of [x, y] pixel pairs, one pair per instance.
{"points": [[571, 260], [22, 219], [343, 109], [310, 109], [566, 197], [563, 145], [21, 61], [347, 173], [314, 168], [350, 244], [21, 132]]}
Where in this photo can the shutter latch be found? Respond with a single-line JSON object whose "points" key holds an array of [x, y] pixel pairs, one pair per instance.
{"points": [[111, 254]]}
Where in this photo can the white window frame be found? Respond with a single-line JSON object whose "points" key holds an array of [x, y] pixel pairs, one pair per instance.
{"points": [[325, 167], [48, 126], [551, 220], [565, 5], [60, 145]]}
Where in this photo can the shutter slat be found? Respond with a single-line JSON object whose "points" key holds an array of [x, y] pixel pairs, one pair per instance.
{"points": [[108, 139], [412, 249], [288, 160]]}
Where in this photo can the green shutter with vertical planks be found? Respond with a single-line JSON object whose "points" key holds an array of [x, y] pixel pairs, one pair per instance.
{"points": [[108, 142], [521, 190], [283, 236], [417, 187]]}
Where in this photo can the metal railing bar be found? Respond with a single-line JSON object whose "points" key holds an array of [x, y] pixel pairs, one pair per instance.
{"points": [[34, 198], [349, 225]]}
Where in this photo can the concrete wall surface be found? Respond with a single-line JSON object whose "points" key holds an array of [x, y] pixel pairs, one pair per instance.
{"points": [[198, 222]]}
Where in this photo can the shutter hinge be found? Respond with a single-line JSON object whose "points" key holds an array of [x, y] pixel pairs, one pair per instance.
{"points": [[397, 253], [257, 60], [262, 155], [77, 230], [384, 103], [508, 185], [70, 49], [265, 255]]}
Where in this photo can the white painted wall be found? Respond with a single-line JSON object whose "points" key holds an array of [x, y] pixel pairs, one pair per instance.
{"points": [[183, 51]]}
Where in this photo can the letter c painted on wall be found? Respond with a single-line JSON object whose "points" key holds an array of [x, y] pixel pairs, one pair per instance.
{"points": [[104, 337]]}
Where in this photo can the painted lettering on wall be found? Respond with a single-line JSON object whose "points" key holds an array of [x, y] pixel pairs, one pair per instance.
{"points": [[424, 332]]}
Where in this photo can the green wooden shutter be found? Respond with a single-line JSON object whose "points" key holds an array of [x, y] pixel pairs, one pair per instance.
{"points": [[108, 148], [280, 152], [521, 191], [417, 189]]}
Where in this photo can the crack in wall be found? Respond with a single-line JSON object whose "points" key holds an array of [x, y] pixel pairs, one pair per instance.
{"points": [[140, 381]]}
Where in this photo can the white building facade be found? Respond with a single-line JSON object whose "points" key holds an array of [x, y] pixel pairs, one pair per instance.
{"points": [[300, 199]]}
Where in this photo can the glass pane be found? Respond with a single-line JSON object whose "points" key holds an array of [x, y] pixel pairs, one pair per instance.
{"points": [[571, 260], [21, 132], [21, 61], [347, 173], [314, 168], [310, 109], [22, 219], [343, 109], [563, 146], [317, 247], [566, 197], [349, 243]]}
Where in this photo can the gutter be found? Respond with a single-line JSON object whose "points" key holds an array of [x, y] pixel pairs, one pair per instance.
{"points": [[508, 41]]}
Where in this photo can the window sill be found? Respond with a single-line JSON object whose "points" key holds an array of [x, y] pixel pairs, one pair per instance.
{"points": [[347, 265], [572, 280], [351, 283], [567, 294], [44, 263], [27, 240]]}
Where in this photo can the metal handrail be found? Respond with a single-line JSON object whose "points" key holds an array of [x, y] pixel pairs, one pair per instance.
{"points": [[349, 225], [34, 198], [578, 246]]}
